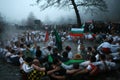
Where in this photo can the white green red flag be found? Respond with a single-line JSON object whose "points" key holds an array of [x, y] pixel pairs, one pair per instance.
{"points": [[77, 32]]}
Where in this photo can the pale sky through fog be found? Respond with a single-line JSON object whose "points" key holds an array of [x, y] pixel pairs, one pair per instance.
{"points": [[17, 10]]}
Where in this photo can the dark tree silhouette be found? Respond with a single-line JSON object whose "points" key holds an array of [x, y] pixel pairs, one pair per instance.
{"points": [[75, 4], [32, 22], [2, 24]]}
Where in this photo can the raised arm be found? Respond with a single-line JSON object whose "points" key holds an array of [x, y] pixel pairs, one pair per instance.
{"points": [[38, 68]]}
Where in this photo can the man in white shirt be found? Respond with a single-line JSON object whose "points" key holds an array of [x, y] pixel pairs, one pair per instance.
{"points": [[70, 54], [105, 47], [26, 66]]}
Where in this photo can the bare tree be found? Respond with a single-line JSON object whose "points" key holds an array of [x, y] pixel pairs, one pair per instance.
{"points": [[30, 20], [74, 4]]}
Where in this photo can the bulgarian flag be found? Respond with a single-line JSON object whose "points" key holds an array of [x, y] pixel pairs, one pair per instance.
{"points": [[77, 32]]}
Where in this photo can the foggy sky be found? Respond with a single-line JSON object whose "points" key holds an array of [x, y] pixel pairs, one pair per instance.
{"points": [[16, 10], [113, 13]]}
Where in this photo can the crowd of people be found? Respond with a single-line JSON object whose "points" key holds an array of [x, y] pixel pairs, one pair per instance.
{"points": [[48, 63]]}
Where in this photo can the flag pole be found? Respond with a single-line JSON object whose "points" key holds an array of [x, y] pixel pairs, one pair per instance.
{"points": [[46, 35]]}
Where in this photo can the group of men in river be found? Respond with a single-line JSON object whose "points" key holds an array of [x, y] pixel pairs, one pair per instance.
{"points": [[47, 62]]}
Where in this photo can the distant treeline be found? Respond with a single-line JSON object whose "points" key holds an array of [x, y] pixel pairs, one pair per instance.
{"points": [[98, 27]]}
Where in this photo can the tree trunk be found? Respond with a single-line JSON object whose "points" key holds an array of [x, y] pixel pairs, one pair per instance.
{"points": [[77, 13]]}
